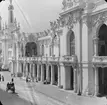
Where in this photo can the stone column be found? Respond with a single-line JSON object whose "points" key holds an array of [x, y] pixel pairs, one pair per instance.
{"points": [[30, 69], [96, 82], [42, 73], [95, 46], [38, 72], [75, 80], [47, 73], [59, 76], [24, 69], [34, 70], [52, 74]]}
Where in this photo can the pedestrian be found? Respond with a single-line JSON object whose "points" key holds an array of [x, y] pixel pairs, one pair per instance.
{"points": [[12, 80], [2, 78]]}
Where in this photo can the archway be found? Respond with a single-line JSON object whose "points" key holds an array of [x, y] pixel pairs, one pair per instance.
{"points": [[44, 72], [70, 43], [50, 74], [31, 49], [72, 78], [102, 51], [35, 71], [55, 74]]}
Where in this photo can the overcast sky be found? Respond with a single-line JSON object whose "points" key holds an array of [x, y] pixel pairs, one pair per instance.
{"points": [[38, 13]]}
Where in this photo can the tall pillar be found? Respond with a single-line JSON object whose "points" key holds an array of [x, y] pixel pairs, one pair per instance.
{"points": [[42, 73], [59, 76], [27, 69], [52, 74], [34, 70], [75, 80], [38, 72], [24, 69], [31, 69], [96, 82], [95, 46], [47, 73]]}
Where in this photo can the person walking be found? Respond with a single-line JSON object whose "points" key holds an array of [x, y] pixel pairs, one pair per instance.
{"points": [[2, 78]]}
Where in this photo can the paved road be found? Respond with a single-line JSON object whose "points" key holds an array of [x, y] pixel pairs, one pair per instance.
{"points": [[12, 99], [27, 92]]}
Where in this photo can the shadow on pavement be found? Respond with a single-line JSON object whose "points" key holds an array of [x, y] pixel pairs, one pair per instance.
{"points": [[1, 103]]}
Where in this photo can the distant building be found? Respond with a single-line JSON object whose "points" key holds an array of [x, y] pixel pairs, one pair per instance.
{"points": [[71, 54]]}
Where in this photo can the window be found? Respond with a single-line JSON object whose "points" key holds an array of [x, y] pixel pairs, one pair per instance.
{"points": [[70, 43], [42, 50]]}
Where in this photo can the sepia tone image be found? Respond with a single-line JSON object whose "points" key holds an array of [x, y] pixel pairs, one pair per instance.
{"points": [[53, 52]]}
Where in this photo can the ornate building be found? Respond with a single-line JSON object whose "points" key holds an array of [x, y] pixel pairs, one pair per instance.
{"points": [[71, 54]]}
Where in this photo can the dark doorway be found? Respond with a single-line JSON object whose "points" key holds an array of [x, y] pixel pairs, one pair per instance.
{"points": [[102, 51], [72, 78], [50, 73], [56, 74], [36, 70], [28, 68], [31, 49], [44, 72]]}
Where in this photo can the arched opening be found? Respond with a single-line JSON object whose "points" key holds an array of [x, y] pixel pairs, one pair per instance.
{"points": [[39, 72], [28, 68], [49, 73], [35, 71], [72, 78], [102, 51], [70, 43], [42, 50], [44, 72], [31, 49], [55, 74]]}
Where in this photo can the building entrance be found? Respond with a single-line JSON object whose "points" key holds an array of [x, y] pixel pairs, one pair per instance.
{"points": [[49, 73], [56, 74], [72, 77], [44, 72], [102, 51], [102, 81]]}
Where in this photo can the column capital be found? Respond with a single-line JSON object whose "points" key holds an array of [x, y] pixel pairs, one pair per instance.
{"points": [[95, 39]]}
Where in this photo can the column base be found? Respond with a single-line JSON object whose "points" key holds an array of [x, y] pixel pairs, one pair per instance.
{"points": [[79, 93], [60, 86], [75, 91], [98, 95], [52, 83]]}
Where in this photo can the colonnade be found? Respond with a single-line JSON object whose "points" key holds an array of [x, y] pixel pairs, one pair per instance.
{"points": [[40, 72], [50, 73]]}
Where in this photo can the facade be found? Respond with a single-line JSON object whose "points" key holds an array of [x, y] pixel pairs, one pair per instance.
{"points": [[71, 54]]}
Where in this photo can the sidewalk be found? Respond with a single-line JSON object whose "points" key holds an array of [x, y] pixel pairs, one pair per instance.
{"points": [[67, 97]]}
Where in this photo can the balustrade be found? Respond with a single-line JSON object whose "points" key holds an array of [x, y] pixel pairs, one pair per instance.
{"points": [[67, 58], [99, 61]]}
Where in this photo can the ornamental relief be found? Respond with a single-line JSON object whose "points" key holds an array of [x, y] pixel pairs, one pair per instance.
{"points": [[69, 3], [70, 19], [95, 20]]}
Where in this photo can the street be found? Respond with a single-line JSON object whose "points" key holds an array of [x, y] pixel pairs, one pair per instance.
{"points": [[12, 99], [27, 91]]}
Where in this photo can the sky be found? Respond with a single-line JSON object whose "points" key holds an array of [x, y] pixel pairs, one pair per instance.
{"points": [[38, 13]]}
